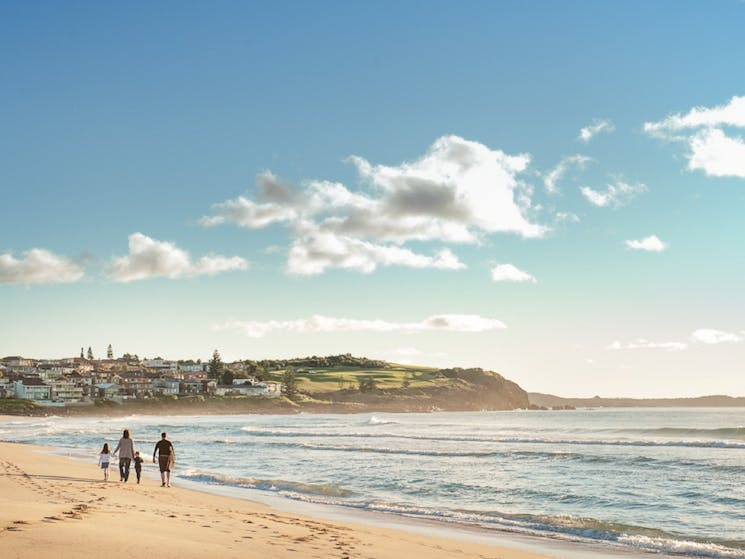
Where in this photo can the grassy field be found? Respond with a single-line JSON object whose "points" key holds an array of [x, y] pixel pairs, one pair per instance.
{"points": [[331, 379]]}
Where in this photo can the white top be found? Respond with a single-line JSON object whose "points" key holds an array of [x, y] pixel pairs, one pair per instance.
{"points": [[103, 458]]}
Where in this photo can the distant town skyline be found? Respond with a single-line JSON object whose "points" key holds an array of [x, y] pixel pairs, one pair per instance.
{"points": [[553, 191]]}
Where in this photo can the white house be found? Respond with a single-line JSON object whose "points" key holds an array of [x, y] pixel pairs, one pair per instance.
{"points": [[32, 389]]}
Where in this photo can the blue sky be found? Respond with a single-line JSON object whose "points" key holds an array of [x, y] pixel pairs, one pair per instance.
{"points": [[552, 190]]}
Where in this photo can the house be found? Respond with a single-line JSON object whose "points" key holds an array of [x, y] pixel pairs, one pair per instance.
{"points": [[13, 361], [67, 391], [192, 387], [266, 389], [241, 381], [192, 367], [108, 390], [31, 388], [167, 385]]}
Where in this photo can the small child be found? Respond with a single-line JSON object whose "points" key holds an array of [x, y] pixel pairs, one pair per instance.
{"points": [[103, 461], [138, 465]]}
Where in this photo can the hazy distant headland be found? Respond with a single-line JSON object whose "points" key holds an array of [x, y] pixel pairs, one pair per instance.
{"points": [[715, 401]]}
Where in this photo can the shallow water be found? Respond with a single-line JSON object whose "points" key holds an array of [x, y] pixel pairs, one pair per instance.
{"points": [[662, 480]]}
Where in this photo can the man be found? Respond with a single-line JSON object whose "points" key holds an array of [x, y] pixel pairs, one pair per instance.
{"points": [[166, 459]]}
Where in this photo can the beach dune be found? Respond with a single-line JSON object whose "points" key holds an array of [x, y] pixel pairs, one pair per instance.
{"points": [[53, 507]]}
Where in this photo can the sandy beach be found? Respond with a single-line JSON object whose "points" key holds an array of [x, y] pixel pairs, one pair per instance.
{"points": [[53, 507]]}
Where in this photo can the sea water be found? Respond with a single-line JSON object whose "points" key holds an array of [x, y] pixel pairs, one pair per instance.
{"points": [[660, 480]]}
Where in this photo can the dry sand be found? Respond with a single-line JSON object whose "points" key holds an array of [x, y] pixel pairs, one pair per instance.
{"points": [[53, 507]]}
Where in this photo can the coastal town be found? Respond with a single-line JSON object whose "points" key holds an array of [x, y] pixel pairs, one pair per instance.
{"points": [[84, 380]]}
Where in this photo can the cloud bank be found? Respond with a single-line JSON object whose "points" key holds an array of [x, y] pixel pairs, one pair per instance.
{"points": [[150, 258], [39, 266], [459, 191], [326, 324], [706, 336]]}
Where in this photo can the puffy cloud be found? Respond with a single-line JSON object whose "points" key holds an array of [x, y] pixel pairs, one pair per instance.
{"points": [[457, 192], [552, 178], [456, 181], [318, 251], [598, 125], [508, 272], [650, 244], [616, 195], [149, 258], [39, 266], [325, 324], [717, 154], [711, 150], [712, 337], [642, 343]]}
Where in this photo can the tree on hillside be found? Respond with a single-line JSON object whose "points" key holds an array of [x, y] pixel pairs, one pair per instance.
{"points": [[109, 352], [82, 353], [90, 354], [289, 382], [367, 383], [216, 367]]}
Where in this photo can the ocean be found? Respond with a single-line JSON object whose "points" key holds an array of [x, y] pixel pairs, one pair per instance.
{"points": [[661, 480]]}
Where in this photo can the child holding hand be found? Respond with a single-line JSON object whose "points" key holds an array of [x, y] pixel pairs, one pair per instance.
{"points": [[138, 465], [103, 461]]}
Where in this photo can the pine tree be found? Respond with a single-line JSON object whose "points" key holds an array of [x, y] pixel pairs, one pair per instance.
{"points": [[90, 354], [82, 353], [109, 353], [216, 366], [289, 382]]}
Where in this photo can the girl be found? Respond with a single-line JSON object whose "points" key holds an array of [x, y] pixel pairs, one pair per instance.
{"points": [[103, 461]]}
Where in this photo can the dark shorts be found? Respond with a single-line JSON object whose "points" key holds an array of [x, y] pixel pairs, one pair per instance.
{"points": [[165, 461]]}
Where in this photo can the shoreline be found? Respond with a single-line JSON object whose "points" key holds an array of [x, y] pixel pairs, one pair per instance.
{"points": [[59, 506], [42, 492]]}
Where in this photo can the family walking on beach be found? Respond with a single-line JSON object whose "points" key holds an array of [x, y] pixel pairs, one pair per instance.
{"points": [[127, 454]]}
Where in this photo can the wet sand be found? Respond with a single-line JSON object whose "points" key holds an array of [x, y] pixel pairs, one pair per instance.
{"points": [[53, 507]]}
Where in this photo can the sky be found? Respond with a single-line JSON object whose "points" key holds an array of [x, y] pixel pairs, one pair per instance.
{"points": [[551, 190]]}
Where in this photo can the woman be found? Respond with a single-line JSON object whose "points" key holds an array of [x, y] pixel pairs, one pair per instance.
{"points": [[126, 450]]}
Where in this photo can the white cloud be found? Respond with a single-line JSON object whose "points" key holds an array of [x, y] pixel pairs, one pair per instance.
{"points": [[552, 178], [731, 114], [616, 195], [326, 324], [39, 266], [650, 244], [642, 343], [508, 272], [458, 192], [711, 150], [149, 258], [712, 337], [717, 154], [319, 251], [598, 125]]}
